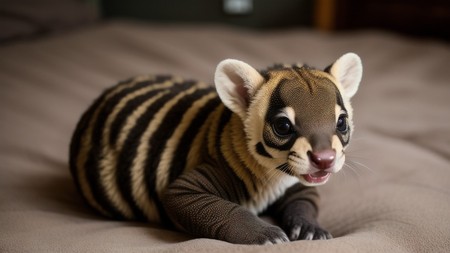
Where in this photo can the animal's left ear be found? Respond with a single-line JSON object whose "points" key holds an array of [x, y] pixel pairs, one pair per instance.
{"points": [[348, 72], [236, 82]]}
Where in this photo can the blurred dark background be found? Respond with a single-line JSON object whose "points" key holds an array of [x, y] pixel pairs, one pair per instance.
{"points": [[418, 18], [251, 13], [431, 18]]}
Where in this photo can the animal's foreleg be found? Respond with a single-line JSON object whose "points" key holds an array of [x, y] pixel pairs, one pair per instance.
{"points": [[297, 213], [199, 207]]}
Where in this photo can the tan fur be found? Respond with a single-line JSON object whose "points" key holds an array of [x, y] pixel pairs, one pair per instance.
{"points": [[232, 157], [200, 141]]}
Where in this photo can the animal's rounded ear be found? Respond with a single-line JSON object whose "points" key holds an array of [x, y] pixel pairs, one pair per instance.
{"points": [[236, 82], [348, 72]]}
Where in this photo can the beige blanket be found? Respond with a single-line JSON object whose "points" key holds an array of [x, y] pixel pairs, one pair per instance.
{"points": [[393, 195]]}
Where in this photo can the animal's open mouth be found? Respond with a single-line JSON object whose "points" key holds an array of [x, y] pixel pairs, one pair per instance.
{"points": [[317, 177]]}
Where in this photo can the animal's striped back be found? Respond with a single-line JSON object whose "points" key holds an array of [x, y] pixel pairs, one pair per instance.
{"points": [[136, 138]]}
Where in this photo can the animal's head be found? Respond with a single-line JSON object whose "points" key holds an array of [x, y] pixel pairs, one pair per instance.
{"points": [[297, 120]]}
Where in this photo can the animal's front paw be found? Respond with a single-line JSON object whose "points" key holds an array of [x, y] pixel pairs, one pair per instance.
{"points": [[266, 235], [303, 229]]}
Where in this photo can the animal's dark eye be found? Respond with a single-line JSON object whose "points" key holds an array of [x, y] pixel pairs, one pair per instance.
{"points": [[282, 126], [342, 125]]}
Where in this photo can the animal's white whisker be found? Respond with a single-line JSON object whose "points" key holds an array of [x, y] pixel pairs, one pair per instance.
{"points": [[343, 173], [353, 169], [359, 152], [362, 165], [359, 139], [353, 156]]}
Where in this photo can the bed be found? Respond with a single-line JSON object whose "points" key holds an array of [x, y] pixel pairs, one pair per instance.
{"points": [[393, 195]]}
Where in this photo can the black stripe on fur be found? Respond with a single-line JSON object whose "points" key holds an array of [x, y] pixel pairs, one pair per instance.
{"points": [[158, 141], [178, 164], [131, 144]]}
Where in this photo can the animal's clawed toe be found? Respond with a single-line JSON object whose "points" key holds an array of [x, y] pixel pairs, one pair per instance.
{"points": [[308, 231]]}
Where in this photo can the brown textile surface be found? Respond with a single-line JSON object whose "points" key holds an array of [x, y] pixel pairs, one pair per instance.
{"points": [[394, 195]]}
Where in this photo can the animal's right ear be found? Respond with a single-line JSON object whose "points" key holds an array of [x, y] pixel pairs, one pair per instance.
{"points": [[236, 82], [348, 72]]}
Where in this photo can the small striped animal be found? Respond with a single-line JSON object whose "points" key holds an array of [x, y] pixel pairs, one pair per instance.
{"points": [[209, 161]]}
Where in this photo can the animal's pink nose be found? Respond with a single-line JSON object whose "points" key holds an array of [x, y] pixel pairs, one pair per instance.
{"points": [[323, 159]]}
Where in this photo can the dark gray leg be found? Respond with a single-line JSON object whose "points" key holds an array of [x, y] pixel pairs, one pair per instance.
{"points": [[202, 204], [297, 212]]}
